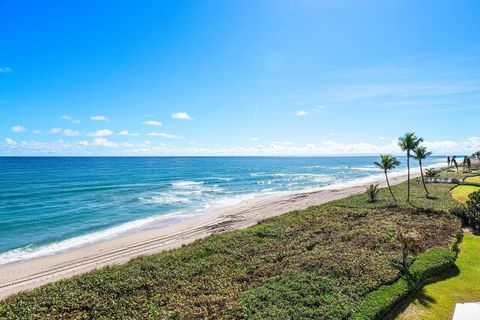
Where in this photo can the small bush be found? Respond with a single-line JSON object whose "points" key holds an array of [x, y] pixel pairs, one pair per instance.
{"points": [[372, 192], [432, 173], [473, 209]]}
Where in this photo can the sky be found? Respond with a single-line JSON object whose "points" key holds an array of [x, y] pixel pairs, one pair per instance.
{"points": [[238, 77]]}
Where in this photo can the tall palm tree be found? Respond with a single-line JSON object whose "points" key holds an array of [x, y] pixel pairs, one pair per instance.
{"points": [[387, 162], [409, 142], [420, 153]]}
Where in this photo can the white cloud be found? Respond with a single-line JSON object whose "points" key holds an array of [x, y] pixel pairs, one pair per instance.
{"points": [[5, 69], [83, 143], [70, 133], [127, 133], [285, 143], [101, 133], [301, 113], [99, 118], [254, 139], [70, 118], [102, 142], [165, 135], [18, 128], [55, 130], [36, 131], [181, 116], [102, 146], [152, 123]]}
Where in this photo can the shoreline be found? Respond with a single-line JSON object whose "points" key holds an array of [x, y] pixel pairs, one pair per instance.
{"points": [[28, 274]]}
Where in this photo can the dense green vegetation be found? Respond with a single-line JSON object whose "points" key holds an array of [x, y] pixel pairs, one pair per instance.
{"points": [[436, 301], [320, 262], [379, 303]]}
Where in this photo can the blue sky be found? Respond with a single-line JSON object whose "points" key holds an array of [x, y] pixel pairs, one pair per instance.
{"points": [[237, 77]]}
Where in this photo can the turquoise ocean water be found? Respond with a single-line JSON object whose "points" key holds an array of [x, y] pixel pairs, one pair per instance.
{"points": [[52, 204]]}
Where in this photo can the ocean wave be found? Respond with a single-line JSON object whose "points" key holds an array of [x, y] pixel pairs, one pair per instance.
{"points": [[367, 168], [164, 198], [187, 184], [183, 192], [31, 252]]}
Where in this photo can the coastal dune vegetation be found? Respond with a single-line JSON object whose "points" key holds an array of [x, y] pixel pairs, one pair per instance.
{"points": [[321, 262]]}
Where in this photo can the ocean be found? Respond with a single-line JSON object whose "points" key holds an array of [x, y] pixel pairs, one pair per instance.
{"points": [[53, 204]]}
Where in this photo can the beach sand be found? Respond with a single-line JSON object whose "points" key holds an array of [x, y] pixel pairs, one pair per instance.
{"points": [[28, 274]]}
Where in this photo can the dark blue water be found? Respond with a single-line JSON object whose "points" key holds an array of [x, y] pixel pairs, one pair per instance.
{"points": [[52, 204]]}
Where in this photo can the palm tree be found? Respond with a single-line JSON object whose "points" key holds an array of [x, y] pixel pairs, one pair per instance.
{"points": [[372, 192], [420, 153], [387, 162], [409, 142]]}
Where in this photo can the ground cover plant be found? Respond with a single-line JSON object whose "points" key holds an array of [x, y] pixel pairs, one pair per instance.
{"points": [[315, 263]]}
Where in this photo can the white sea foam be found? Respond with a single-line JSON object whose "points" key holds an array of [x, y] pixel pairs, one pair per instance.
{"points": [[30, 252], [187, 184], [164, 198], [181, 193], [366, 168]]}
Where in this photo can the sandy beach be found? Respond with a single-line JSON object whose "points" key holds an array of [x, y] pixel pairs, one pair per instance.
{"points": [[28, 274]]}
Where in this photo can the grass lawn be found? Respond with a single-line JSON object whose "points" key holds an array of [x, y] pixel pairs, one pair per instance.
{"points": [[475, 179], [461, 193], [437, 300]]}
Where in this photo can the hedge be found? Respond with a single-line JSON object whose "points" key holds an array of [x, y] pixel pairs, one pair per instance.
{"points": [[378, 303]]}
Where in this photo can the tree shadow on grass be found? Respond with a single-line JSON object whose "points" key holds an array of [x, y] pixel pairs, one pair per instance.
{"points": [[420, 295]]}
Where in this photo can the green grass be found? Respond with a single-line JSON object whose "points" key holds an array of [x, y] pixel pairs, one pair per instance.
{"points": [[319, 262], [475, 180], [436, 301], [461, 192]]}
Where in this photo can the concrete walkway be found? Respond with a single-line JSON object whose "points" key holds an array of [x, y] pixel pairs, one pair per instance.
{"points": [[467, 311]]}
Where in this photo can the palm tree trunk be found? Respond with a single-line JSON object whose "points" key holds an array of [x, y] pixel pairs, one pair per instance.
{"points": [[408, 176], [423, 178], [389, 188]]}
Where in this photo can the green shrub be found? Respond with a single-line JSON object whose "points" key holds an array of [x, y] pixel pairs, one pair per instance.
{"points": [[460, 212], [432, 173], [302, 295], [372, 192], [378, 303], [432, 262], [473, 209]]}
